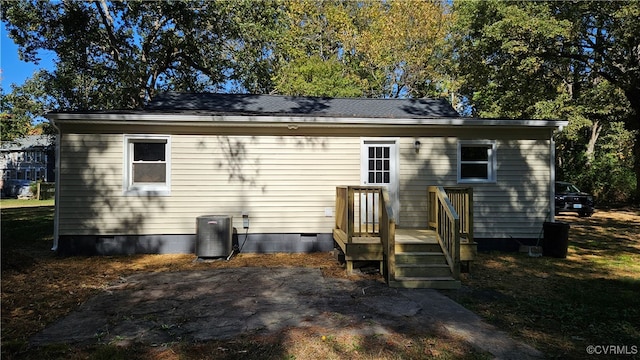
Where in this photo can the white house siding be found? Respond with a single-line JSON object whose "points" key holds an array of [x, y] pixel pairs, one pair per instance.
{"points": [[283, 183], [513, 207]]}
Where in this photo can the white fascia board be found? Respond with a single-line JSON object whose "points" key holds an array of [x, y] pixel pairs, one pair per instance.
{"points": [[259, 120]]}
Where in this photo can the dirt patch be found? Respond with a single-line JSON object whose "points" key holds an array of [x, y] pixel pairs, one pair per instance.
{"points": [[557, 305], [205, 305], [38, 289]]}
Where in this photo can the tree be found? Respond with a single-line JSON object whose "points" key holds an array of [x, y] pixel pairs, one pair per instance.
{"points": [[402, 47], [379, 48], [11, 125], [521, 59], [314, 76], [118, 54], [21, 106], [311, 50]]}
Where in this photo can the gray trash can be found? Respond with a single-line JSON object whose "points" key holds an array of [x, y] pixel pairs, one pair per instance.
{"points": [[556, 239]]}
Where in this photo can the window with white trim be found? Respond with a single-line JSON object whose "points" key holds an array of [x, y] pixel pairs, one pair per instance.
{"points": [[147, 165], [476, 161]]}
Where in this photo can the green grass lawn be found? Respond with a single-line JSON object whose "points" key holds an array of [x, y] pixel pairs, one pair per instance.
{"points": [[19, 203], [561, 306], [27, 230]]}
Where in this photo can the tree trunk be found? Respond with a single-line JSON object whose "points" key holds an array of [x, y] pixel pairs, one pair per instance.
{"points": [[591, 146], [636, 163], [633, 95]]}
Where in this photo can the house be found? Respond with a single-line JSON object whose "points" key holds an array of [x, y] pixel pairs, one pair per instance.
{"points": [[25, 160], [135, 181]]}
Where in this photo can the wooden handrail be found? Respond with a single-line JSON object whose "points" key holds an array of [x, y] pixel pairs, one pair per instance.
{"points": [[388, 236], [366, 211], [461, 198], [447, 225], [359, 210], [341, 208]]}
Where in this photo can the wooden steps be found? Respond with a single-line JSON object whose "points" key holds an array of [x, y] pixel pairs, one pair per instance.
{"points": [[420, 262], [419, 259]]}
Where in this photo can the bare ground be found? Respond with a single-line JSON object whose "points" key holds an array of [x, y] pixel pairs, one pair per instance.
{"points": [[557, 305]]}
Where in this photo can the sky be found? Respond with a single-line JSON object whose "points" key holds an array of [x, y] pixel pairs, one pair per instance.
{"points": [[15, 71]]}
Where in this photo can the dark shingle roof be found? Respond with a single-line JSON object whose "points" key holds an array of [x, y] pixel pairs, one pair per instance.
{"points": [[302, 106]]}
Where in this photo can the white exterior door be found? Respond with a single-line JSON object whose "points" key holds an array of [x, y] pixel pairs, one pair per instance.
{"points": [[379, 167]]}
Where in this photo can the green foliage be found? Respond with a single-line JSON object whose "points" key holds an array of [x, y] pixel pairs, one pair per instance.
{"points": [[313, 76], [380, 48], [500, 70], [559, 60], [33, 187], [503, 59], [608, 175], [23, 105], [117, 54], [12, 126]]}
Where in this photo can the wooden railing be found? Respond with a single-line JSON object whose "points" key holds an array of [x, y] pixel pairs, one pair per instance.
{"points": [[359, 210], [342, 217], [461, 198], [444, 219], [388, 236], [365, 211]]}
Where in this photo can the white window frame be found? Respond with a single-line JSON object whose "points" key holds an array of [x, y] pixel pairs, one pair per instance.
{"points": [[146, 189], [491, 161]]}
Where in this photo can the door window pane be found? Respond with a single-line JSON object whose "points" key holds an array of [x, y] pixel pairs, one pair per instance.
{"points": [[379, 165]]}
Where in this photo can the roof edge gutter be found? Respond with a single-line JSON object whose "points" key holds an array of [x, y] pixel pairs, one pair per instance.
{"points": [[266, 121]]}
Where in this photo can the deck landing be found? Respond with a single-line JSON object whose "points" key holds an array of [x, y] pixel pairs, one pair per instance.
{"points": [[409, 236], [403, 236]]}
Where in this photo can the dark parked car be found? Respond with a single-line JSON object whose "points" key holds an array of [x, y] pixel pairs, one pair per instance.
{"points": [[16, 188], [570, 199]]}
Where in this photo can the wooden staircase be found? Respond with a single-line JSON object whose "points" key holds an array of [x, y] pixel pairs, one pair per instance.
{"points": [[409, 258], [419, 262]]}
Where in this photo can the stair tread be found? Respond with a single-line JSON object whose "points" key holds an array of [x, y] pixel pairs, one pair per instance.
{"points": [[419, 253], [432, 278], [410, 265]]}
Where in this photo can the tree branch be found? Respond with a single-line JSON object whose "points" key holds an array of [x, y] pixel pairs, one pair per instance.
{"points": [[107, 20]]}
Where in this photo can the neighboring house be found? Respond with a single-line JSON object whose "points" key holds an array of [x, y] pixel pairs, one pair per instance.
{"points": [[24, 160], [135, 181]]}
